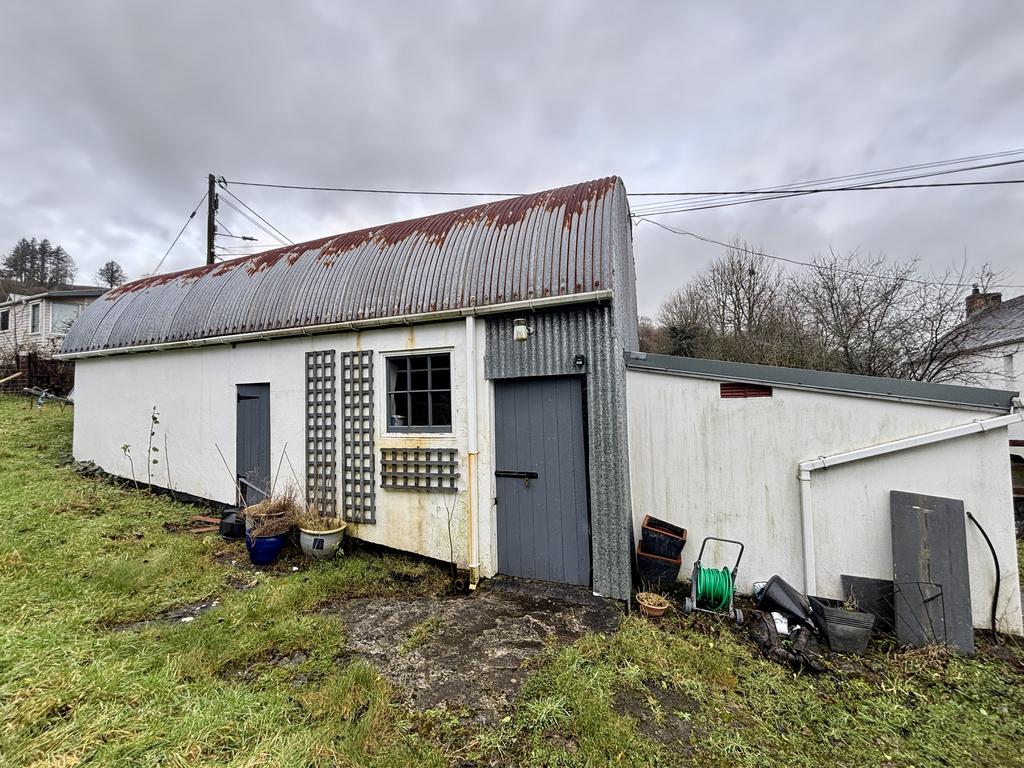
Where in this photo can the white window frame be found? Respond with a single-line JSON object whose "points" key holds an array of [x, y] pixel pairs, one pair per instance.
{"points": [[386, 430], [35, 313], [6, 313]]}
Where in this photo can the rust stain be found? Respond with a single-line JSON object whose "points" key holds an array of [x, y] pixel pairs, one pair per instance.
{"points": [[434, 229]]}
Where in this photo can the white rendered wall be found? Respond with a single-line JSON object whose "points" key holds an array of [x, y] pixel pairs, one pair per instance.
{"points": [[728, 467], [194, 391]]}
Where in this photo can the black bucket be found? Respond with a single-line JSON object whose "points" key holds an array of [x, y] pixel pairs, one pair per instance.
{"points": [[232, 525], [662, 538], [656, 572], [779, 596], [846, 631]]}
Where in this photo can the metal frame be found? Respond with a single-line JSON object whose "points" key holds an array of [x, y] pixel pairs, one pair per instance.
{"points": [[357, 457]]}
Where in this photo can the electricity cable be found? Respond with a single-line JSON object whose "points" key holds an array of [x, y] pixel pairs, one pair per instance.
{"points": [[810, 264]]}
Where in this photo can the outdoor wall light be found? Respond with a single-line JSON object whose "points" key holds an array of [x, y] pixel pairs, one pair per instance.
{"points": [[520, 330]]}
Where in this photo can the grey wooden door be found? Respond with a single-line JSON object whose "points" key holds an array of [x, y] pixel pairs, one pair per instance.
{"points": [[541, 480], [252, 441]]}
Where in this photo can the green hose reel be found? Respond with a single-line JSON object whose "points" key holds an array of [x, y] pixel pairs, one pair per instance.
{"points": [[712, 590]]}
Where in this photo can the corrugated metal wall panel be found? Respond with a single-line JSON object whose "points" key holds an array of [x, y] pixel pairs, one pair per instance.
{"points": [[551, 351], [546, 244]]}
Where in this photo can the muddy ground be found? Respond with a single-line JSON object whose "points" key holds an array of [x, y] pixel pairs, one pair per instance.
{"points": [[469, 652]]}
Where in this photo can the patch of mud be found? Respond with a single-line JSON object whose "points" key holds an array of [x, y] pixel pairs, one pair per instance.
{"points": [[477, 651], [183, 614], [254, 667], [660, 713]]}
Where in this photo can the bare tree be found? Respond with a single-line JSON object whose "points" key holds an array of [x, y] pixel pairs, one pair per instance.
{"points": [[881, 318], [739, 308], [848, 313]]}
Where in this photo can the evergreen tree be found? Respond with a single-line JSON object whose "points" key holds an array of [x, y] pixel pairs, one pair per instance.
{"points": [[38, 262]]}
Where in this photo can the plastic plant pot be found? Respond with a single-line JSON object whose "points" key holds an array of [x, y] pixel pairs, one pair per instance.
{"points": [[662, 538], [846, 631], [264, 550], [656, 571], [232, 526], [322, 544]]}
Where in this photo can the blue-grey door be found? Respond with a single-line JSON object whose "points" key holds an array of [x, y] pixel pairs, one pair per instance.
{"points": [[252, 441], [541, 480]]}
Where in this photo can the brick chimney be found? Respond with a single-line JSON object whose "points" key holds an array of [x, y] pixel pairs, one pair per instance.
{"points": [[978, 301]]}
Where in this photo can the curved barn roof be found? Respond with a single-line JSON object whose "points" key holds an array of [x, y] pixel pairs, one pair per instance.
{"points": [[568, 242]]}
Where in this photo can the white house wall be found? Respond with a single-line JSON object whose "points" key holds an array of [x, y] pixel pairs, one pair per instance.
{"points": [[194, 392], [728, 467], [1001, 368]]}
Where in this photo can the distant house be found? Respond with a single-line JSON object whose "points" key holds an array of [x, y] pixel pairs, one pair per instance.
{"points": [[36, 318], [994, 342]]}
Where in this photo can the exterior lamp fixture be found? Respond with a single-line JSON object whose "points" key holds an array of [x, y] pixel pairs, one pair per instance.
{"points": [[520, 330]]}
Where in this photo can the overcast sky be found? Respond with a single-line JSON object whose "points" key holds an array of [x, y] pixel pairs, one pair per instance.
{"points": [[113, 114]]}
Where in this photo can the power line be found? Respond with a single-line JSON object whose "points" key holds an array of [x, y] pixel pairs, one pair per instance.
{"points": [[810, 264], [833, 179], [865, 186], [223, 185], [271, 234], [178, 236], [717, 193], [796, 193]]}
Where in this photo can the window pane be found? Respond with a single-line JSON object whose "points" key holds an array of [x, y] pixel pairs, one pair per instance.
{"points": [[399, 379], [419, 417], [63, 316], [34, 319], [418, 380], [442, 404], [440, 379]]}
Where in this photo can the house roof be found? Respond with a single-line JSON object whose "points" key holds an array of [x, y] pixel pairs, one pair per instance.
{"points": [[27, 291], [825, 381], [568, 242], [995, 326]]}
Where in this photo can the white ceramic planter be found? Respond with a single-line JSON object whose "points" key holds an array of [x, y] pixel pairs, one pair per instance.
{"points": [[322, 545]]}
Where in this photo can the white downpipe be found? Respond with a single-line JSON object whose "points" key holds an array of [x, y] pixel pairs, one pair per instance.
{"points": [[472, 424], [807, 522], [824, 462]]}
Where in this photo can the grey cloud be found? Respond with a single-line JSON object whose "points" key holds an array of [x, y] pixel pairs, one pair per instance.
{"points": [[115, 112]]}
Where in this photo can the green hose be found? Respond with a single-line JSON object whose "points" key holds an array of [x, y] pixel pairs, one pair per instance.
{"points": [[714, 588]]}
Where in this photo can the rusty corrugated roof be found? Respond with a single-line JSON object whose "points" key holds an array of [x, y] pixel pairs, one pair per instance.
{"points": [[554, 243]]}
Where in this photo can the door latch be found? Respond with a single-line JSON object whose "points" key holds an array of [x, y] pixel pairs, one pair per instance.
{"points": [[526, 477]]}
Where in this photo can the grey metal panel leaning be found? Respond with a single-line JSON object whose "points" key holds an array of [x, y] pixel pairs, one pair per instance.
{"points": [[550, 244]]}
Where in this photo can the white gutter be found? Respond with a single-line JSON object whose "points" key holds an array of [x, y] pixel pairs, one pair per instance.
{"points": [[352, 325], [472, 418], [824, 462]]}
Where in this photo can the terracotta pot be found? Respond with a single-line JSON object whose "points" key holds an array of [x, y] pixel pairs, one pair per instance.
{"points": [[648, 608]]}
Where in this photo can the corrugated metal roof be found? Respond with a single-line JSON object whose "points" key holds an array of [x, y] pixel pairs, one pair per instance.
{"points": [[825, 381], [549, 244]]}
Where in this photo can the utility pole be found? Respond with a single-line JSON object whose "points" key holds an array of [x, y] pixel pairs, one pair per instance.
{"points": [[211, 218]]}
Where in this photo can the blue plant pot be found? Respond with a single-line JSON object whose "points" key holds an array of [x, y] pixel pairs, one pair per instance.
{"points": [[263, 550]]}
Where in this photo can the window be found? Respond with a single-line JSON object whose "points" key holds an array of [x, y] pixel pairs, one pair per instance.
{"points": [[33, 323], [5, 320], [420, 393], [63, 316]]}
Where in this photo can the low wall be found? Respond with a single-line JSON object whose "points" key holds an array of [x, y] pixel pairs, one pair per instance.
{"points": [[728, 467]]}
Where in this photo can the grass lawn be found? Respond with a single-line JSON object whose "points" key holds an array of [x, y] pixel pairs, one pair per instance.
{"points": [[79, 559]]}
